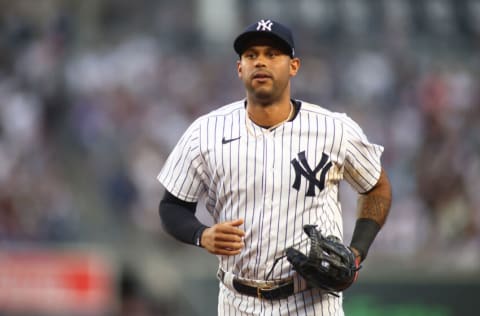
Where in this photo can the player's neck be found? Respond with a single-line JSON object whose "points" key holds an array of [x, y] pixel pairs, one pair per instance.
{"points": [[271, 114]]}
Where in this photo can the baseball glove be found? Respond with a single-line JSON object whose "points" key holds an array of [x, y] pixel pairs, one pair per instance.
{"points": [[330, 265]]}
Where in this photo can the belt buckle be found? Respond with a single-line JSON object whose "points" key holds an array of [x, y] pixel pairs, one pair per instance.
{"points": [[263, 288]]}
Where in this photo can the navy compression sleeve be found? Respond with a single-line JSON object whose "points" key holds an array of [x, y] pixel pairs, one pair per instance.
{"points": [[179, 220]]}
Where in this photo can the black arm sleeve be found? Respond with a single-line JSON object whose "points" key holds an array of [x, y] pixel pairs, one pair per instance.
{"points": [[363, 235], [179, 220]]}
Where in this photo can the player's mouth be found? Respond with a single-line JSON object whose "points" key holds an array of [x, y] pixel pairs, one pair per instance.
{"points": [[261, 76]]}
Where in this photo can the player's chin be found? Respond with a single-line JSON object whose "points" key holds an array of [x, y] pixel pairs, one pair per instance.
{"points": [[263, 94], [259, 86]]}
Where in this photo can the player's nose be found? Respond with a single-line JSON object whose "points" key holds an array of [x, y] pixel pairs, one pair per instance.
{"points": [[260, 61]]}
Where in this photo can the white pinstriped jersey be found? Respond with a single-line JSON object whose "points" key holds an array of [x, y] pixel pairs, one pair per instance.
{"points": [[277, 181]]}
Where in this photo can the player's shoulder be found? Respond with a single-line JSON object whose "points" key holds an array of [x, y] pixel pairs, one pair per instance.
{"points": [[222, 111], [203, 122], [316, 109], [228, 109], [339, 117]]}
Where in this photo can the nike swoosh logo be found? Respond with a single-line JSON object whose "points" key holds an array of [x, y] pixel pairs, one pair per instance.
{"points": [[226, 141]]}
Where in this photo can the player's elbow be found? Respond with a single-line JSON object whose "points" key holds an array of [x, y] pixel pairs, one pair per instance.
{"points": [[375, 204], [383, 184]]}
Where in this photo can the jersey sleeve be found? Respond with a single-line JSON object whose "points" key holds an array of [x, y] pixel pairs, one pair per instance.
{"points": [[362, 158], [181, 173]]}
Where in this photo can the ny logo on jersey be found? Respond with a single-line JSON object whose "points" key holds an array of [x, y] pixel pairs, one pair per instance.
{"points": [[302, 168], [264, 25]]}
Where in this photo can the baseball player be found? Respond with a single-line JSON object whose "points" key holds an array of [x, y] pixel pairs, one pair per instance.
{"points": [[268, 169]]}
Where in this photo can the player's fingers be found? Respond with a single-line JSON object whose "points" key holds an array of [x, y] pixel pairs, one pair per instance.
{"points": [[224, 228], [235, 222], [228, 245], [226, 252], [228, 237]]}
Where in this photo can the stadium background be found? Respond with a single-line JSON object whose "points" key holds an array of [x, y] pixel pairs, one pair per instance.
{"points": [[94, 94]]}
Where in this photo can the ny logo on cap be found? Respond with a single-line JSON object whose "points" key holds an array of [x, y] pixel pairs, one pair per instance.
{"points": [[264, 25]]}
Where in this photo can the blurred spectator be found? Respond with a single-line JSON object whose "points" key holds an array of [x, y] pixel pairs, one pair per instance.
{"points": [[135, 299], [444, 153]]}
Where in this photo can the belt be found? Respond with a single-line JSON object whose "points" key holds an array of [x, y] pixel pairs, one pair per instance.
{"points": [[272, 292]]}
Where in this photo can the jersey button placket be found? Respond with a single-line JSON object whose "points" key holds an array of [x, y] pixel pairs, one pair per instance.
{"points": [[270, 164]]}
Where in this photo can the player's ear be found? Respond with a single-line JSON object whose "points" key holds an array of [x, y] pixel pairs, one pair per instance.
{"points": [[294, 66], [239, 69]]}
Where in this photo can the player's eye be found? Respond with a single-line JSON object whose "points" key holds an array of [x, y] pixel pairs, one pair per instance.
{"points": [[274, 53]]}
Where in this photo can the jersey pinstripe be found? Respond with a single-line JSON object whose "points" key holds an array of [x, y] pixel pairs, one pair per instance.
{"points": [[277, 181]]}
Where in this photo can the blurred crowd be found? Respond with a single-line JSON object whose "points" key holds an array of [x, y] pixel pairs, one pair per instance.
{"points": [[86, 121]]}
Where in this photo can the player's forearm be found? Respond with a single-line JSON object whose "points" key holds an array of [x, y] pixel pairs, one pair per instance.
{"points": [[179, 220], [373, 209], [375, 204]]}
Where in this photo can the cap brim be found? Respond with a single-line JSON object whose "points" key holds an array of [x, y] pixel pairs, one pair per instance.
{"points": [[245, 40]]}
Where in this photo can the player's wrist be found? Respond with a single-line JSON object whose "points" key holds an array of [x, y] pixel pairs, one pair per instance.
{"points": [[363, 236], [198, 236], [356, 253]]}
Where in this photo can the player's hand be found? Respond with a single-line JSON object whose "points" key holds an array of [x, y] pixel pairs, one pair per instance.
{"points": [[224, 238]]}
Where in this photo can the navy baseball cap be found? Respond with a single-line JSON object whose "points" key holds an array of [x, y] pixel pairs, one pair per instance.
{"points": [[266, 28]]}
